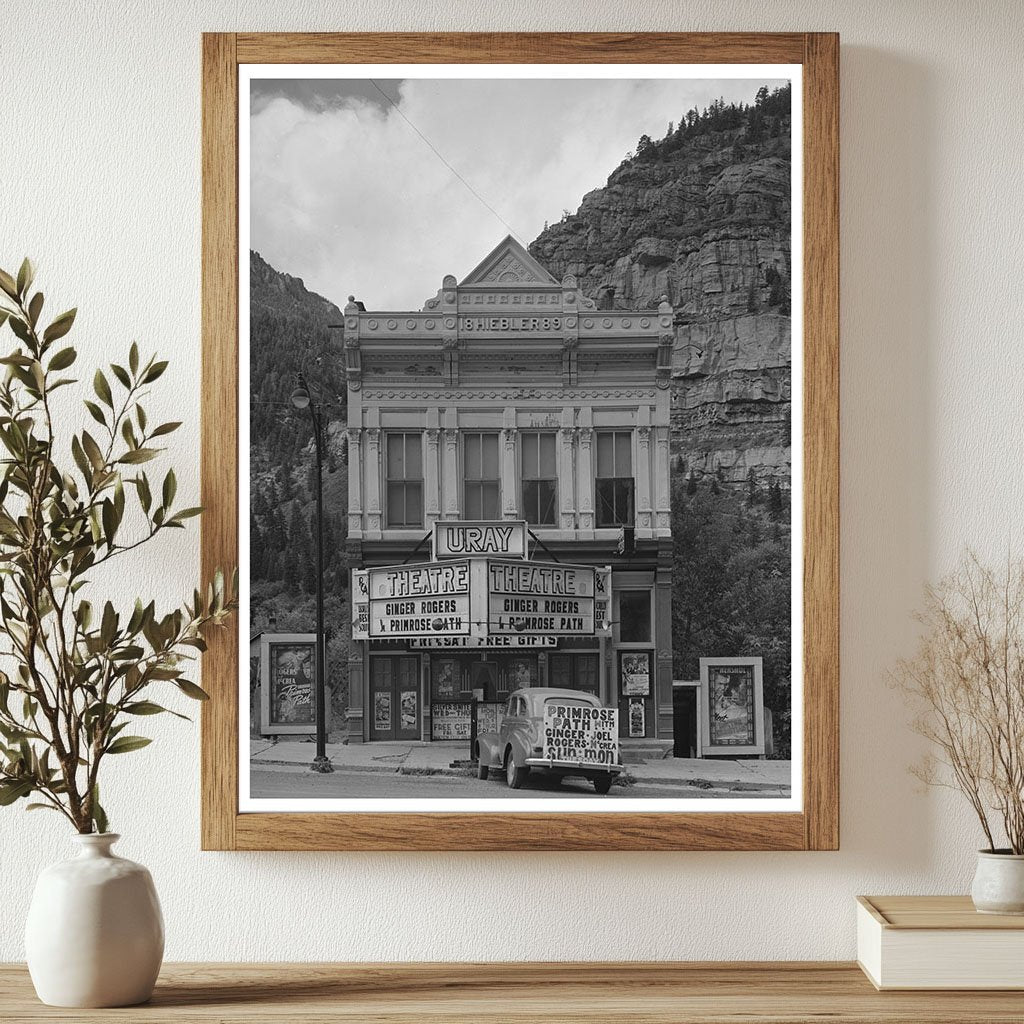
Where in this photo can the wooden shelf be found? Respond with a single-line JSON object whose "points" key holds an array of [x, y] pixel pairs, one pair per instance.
{"points": [[614, 993]]}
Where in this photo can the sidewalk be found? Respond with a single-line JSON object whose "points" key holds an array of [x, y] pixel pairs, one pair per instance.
{"points": [[415, 758]]}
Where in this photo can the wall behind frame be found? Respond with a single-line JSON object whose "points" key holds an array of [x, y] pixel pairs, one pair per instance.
{"points": [[103, 190]]}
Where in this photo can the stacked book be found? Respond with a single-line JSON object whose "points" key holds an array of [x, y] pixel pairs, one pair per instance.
{"points": [[938, 942]]}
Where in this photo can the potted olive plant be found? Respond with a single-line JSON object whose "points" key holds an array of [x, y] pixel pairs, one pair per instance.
{"points": [[966, 682], [80, 672]]}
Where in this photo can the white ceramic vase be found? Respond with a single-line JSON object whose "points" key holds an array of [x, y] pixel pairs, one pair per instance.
{"points": [[95, 934], [999, 883]]}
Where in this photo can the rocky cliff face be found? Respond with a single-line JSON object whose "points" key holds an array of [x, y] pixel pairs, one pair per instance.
{"points": [[282, 295], [703, 216]]}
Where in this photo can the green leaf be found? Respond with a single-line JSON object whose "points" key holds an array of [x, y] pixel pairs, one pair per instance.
{"points": [[133, 357], [83, 613], [170, 488], [126, 744], [95, 412], [145, 497], [14, 790], [121, 374], [92, 449], [128, 433], [63, 359], [191, 690], [102, 388], [143, 707], [108, 624], [35, 308], [26, 274], [186, 513], [99, 816], [154, 372], [165, 428], [8, 284], [109, 521], [81, 461], [60, 326], [147, 707], [20, 328], [138, 455]]}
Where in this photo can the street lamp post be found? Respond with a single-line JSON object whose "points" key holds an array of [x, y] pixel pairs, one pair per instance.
{"points": [[301, 400]]}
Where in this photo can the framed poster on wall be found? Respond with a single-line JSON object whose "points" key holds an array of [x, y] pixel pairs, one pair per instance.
{"points": [[535, 368], [287, 672], [732, 692], [635, 673]]}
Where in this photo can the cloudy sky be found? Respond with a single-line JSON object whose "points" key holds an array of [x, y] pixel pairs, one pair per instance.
{"points": [[380, 188]]}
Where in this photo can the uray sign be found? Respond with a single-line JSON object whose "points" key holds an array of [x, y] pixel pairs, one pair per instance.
{"points": [[458, 539]]}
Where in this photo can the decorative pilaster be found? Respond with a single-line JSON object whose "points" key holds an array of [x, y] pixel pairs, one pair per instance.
{"points": [[355, 481], [586, 461], [643, 477], [662, 481], [451, 473], [431, 481], [373, 471], [566, 477], [508, 468]]}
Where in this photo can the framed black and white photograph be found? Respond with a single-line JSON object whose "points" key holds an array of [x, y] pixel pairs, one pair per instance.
{"points": [[521, 437]]}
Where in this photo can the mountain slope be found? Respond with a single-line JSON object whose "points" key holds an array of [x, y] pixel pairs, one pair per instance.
{"points": [[703, 216]]}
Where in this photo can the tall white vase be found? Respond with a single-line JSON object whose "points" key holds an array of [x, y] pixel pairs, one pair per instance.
{"points": [[95, 934]]}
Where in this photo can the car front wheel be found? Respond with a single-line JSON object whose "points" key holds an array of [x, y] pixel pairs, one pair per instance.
{"points": [[602, 784], [515, 777]]}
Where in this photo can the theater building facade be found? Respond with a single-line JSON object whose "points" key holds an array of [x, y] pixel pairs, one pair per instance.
{"points": [[513, 438]]}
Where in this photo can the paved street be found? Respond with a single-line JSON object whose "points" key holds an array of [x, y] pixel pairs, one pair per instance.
{"points": [[412, 769], [282, 783]]}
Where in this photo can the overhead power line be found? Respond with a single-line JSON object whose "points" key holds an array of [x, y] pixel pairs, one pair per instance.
{"points": [[437, 153]]}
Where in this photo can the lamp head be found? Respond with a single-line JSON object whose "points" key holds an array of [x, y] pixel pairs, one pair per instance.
{"points": [[300, 398]]}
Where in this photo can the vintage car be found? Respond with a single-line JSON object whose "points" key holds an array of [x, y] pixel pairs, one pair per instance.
{"points": [[559, 732]]}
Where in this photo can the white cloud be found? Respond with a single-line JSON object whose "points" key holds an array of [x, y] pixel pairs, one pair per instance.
{"points": [[353, 201]]}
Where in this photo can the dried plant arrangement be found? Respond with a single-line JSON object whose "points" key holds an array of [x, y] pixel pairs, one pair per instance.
{"points": [[966, 683], [81, 670]]}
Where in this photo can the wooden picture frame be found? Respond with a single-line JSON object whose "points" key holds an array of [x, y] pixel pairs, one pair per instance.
{"points": [[816, 826]]}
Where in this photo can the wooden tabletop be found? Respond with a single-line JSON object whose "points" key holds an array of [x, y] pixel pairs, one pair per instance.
{"points": [[641, 993]]}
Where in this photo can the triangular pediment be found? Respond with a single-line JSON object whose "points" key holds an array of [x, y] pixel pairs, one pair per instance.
{"points": [[508, 263]]}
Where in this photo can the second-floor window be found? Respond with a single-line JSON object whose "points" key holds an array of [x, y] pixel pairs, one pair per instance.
{"points": [[404, 480], [482, 490], [614, 478], [540, 481]]}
